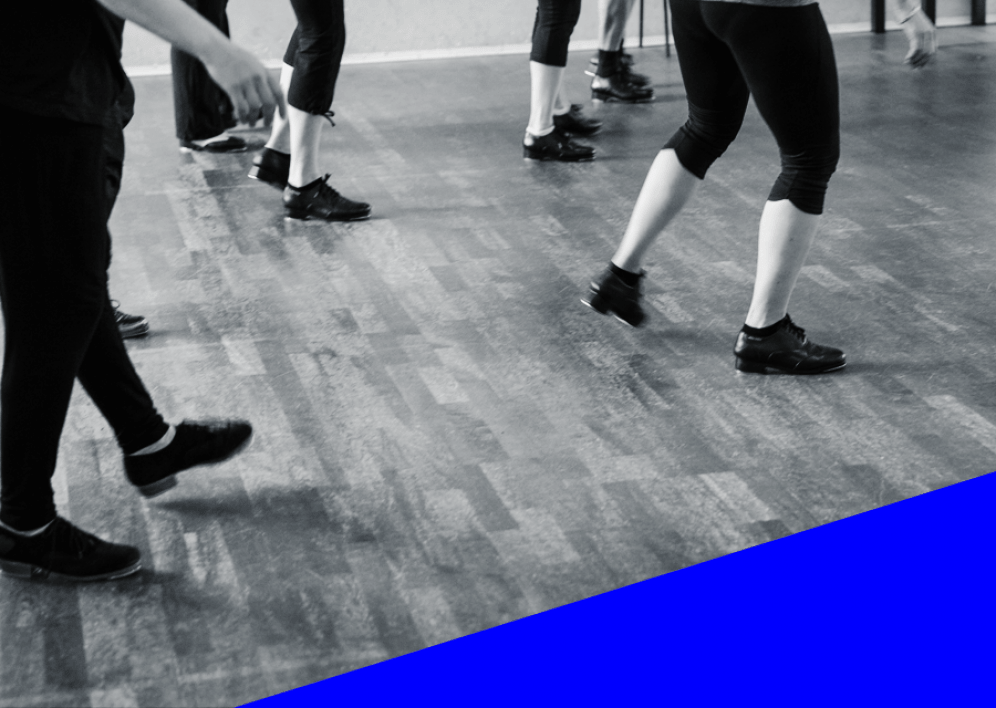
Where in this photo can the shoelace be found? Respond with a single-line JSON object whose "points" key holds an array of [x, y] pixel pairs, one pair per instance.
{"points": [[327, 115], [795, 329], [325, 188], [66, 535]]}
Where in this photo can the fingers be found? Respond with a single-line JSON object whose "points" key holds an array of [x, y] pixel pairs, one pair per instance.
{"points": [[278, 95], [254, 103], [239, 104], [257, 95]]}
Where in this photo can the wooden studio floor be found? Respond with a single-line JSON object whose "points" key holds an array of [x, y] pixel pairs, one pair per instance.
{"points": [[446, 438]]}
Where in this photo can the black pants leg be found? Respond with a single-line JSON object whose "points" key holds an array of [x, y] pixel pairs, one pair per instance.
{"points": [[781, 55], [57, 318], [315, 51], [201, 107], [555, 21]]}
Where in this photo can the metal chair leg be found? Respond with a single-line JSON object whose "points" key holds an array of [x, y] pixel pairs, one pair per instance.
{"points": [[667, 30]]}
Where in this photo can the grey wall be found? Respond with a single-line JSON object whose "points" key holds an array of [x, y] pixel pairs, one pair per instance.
{"points": [[381, 26]]}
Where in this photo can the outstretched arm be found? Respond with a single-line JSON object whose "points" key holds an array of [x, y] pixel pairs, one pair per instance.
{"points": [[253, 91], [919, 30]]}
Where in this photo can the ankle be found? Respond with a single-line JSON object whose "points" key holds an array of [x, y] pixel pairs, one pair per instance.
{"points": [[310, 185], [629, 277], [608, 63], [766, 331]]}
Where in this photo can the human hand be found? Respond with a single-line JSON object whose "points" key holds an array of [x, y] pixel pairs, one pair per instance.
{"points": [[253, 91], [922, 36]]}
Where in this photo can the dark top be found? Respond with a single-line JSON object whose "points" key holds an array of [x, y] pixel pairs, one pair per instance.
{"points": [[60, 59]]}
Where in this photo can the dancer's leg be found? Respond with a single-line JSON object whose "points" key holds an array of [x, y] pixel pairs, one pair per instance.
{"points": [[612, 18], [545, 88], [667, 189], [305, 136], [784, 238], [280, 130], [799, 102]]}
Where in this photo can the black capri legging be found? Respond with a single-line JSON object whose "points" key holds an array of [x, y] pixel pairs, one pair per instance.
{"points": [[555, 20], [781, 55], [315, 52]]}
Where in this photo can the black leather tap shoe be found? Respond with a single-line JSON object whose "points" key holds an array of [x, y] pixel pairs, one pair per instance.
{"points": [[608, 294], [787, 351], [557, 146], [271, 167], [319, 201], [64, 552], [194, 444], [616, 89], [575, 122]]}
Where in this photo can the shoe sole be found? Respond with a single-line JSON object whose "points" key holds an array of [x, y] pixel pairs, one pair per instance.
{"points": [[608, 98], [303, 215], [600, 305], [236, 151], [167, 483], [197, 148], [27, 571], [592, 74], [754, 367], [529, 155], [134, 332]]}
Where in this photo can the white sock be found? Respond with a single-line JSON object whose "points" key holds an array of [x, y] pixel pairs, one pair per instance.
{"points": [[563, 112], [159, 444], [33, 532]]}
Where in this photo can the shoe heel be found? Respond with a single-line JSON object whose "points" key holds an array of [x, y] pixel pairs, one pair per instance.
{"points": [[596, 302], [16, 570], [296, 213], [749, 367], [261, 173], [156, 488]]}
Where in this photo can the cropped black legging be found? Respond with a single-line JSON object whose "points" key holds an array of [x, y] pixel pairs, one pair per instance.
{"points": [[555, 20], [53, 270], [781, 55], [315, 52]]}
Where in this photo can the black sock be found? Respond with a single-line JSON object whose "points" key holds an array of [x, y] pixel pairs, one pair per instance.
{"points": [[631, 279], [608, 63], [306, 187], [764, 331]]}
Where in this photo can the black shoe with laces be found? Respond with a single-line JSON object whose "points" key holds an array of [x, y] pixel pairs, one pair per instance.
{"points": [[64, 552], [574, 122], [319, 201], [194, 444], [130, 326], [625, 66], [222, 144], [617, 89], [557, 146], [786, 351], [609, 294], [271, 167]]}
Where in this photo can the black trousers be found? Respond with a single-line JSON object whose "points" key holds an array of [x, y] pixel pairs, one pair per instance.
{"points": [[555, 21], [315, 51], [781, 55], [201, 108], [59, 325]]}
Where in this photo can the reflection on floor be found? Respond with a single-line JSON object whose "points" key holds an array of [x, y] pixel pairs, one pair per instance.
{"points": [[446, 438]]}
